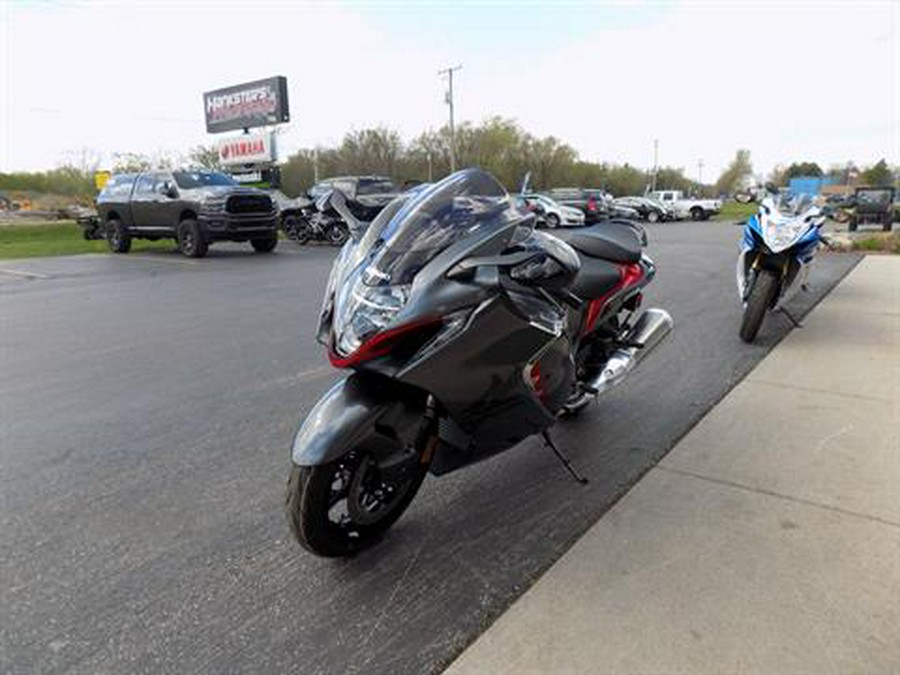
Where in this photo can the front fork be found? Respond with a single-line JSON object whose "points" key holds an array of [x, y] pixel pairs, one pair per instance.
{"points": [[749, 264]]}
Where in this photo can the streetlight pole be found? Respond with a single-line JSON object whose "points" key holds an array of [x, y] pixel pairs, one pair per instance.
{"points": [[700, 173], [655, 161], [449, 99]]}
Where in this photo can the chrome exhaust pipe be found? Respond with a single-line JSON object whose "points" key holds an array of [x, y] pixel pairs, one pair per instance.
{"points": [[651, 328]]}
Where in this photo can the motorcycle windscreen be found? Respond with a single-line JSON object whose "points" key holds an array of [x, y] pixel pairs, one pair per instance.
{"points": [[420, 227]]}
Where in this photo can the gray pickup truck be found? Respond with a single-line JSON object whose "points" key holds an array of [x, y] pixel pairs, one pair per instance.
{"points": [[196, 208]]}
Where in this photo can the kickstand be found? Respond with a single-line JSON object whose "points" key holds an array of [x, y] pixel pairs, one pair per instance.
{"points": [[790, 316], [562, 458]]}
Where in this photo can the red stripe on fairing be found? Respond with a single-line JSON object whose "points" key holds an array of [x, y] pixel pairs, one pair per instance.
{"points": [[380, 344], [629, 276]]}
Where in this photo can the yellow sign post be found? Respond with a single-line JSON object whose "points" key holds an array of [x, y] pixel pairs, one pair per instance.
{"points": [[101, 178]]}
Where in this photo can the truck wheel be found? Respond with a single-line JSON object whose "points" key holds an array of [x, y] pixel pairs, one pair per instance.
{"points": [[652, 217], [117, 237], [265, 244], [191, 240], [697, 213]]}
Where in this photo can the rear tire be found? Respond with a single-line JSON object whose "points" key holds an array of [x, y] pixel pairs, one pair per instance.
{"points": [[761, 296], [313, 500], [696, 213], [265, 244], [117, 237]]}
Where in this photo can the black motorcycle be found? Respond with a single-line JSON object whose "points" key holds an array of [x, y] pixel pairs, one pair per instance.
{"points": [[317, 221], [467, 331]]}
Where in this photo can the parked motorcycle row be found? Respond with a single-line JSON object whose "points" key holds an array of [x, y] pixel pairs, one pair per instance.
{"points": [[306, 219], [467, 330]]}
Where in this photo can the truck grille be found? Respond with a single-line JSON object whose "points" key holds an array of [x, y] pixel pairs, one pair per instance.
{"points": [[249, 204]]}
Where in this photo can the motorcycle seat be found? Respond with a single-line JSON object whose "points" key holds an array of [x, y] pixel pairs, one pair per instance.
{"points": [[595, 278], [610, 241]]}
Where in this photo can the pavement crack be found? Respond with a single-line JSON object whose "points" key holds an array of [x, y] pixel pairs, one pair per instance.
{"points": [[397, 586], [24, 275], [794, 387], [779, 495]]}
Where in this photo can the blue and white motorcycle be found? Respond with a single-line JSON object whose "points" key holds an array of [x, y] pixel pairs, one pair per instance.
{"points": [[778, 245]]}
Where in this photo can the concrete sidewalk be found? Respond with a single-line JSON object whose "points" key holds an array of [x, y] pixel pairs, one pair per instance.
{"points": [[767, 541]]}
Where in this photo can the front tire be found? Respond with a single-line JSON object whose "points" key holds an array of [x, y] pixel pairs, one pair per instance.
{"points": [[117, 237], [191, 240], [337, 234], [761, 296], [265, 244], [552, 221], [342, 507]]}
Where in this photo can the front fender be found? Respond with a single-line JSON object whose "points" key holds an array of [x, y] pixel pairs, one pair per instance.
{"points": [[358, 410]]}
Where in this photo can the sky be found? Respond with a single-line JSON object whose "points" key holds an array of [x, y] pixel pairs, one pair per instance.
{"points": [[794, 80]]}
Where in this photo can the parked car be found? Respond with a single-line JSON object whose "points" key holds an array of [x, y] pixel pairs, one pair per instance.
{"points": [[553, 213], [589, 202], [647, 209], [687, 207], [617, 210], [366, 195], [196, 208]]}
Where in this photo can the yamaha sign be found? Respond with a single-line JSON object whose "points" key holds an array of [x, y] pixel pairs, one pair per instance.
{"points": [[253, 104], [246, 149]]}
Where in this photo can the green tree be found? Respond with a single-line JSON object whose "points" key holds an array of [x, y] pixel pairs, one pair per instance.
{"points": [[878, 175], [206, 156], [670, 178], [736, 172], [803, 170], [374, 151]]}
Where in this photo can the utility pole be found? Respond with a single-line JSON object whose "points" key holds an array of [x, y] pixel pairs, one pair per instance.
{"points": [[700, 173], [655, 161], [448, 98]]}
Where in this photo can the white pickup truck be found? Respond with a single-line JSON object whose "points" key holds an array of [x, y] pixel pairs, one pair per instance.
{"points": [[687, 207]]}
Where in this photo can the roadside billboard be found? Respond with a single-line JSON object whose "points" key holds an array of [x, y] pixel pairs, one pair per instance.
{"points": [[246, 149], [242, 106]]}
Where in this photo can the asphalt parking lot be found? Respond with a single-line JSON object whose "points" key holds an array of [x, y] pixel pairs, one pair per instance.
{"points": [[147, 407]]}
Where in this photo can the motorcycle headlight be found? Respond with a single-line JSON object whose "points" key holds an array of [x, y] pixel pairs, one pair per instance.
{"points": [[369, 309], [780, 236]]}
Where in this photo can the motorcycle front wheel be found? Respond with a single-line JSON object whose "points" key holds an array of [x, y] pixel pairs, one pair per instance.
{"points": [[342, 507], [761, 296], [337, 234]]}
